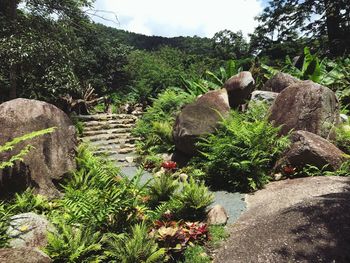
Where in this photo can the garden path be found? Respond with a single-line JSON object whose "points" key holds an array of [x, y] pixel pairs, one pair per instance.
{"points": [[110, 135]]}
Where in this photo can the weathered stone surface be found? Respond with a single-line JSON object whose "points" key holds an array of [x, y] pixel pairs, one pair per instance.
{"points": [[279, 82], [23, 255], [239, 88], [344, 118], [28, 230], [293, 220], [53, 154], [309, 148], [217, 215], [264, 96], [306, 106], [198, 118]]}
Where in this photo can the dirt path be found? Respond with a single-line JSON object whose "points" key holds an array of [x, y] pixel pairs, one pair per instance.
{"points": [[299, 220]]}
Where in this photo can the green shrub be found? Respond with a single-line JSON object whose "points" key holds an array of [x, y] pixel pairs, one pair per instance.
{"points": [[135, 247], [156, 124], [342, 140], [73, 243], [196, 254], [239, 156], [193, 200], [5, 214], [162, 188]]}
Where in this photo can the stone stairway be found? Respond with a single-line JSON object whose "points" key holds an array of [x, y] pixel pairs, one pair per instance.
{"points": [[110, 135]]}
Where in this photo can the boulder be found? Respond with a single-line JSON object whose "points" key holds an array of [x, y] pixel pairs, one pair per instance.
{"points": [[53, 154], [306, 106], [23, 255], [264, 96], [239, 88], [199, 118], [217, 215], [279, 82], [28, 230], [309, 148]]}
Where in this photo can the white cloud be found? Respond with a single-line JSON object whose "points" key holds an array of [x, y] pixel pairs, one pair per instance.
{"points": [[181, 17]]}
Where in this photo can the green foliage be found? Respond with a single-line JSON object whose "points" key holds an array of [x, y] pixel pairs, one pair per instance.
{"points": [[9, 146], [162, 188], [137, 246], [73, 243], [30, 202], [5, 214], [342, 139], [155, 126], [217, 234], [196, 254], [193, 200], [239, 156], [310, 170], [98, 196]]}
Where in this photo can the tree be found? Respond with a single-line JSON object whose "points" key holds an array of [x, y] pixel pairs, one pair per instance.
{"points": [[230, 45], [312, 18]]}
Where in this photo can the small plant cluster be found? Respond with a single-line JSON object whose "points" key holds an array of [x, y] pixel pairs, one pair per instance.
{"points": [[240, 155], [176, 236]]}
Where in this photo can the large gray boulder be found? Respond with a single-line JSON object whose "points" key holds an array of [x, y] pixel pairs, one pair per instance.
{"points": [[23, 255], [28, 230], [306, 106], [199, 118], [310, 149], [239, 88], [203, 116], [53, 154], [279, 82]]}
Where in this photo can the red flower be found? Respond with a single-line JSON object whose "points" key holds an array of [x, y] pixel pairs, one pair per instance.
{"points": [[169, 165], [289, 170]]}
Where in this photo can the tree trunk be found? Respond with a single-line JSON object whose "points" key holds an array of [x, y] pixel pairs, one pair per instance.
{"points": [[334, 31]]}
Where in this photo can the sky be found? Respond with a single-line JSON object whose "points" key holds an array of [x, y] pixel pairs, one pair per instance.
{"points": [[179, 18]]}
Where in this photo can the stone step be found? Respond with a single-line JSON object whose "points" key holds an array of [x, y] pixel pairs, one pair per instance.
{"points": [[114, 152], [105, 117], [109, 122], [106, 126], [109, 131], [106, 137], [113, 147], [113, 141]]}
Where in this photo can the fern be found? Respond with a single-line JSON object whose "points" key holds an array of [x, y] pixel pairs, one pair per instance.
{"points": [[162, 188], [135, 247], [240, 155], [193, 200], [73, 243], [9, 146]]}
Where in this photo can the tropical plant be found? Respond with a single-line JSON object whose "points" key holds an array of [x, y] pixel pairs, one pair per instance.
{"points": [[5, 214], [30, 202], [73, 243], [9, 146], [138, 246], [240, 154], [162, 188], [193, 200]]}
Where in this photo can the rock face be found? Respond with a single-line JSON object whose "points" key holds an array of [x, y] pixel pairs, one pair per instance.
{"points": [[217, 215], [265, 96], [239, 88], [23, 255], [279, 82], [309, 148], [28, 230], [306, 106], [198, 118], [53, 154]]}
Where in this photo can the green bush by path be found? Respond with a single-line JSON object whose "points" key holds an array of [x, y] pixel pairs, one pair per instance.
{"points": [[241, 153]]}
